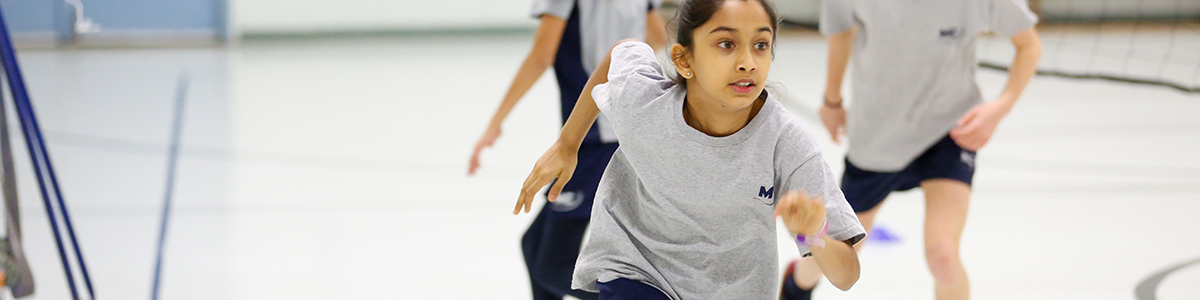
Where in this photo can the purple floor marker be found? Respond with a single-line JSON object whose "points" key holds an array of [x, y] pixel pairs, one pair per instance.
{"points": [[881, 234]]}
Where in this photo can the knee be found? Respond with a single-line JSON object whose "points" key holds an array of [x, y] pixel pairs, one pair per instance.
{"points": [[943, 260]]}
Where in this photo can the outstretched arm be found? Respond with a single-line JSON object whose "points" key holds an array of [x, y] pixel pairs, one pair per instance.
{"points": [[541, 57], [559, 161]]}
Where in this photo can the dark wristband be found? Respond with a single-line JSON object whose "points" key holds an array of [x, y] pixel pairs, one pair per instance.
{"points": [[833, 105]]}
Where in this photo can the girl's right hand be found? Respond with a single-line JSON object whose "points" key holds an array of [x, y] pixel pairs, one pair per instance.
{"points": [[834, 120], [803, 214], [558, 162]]}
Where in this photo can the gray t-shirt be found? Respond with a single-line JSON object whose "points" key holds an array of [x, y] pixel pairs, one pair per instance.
{"points": [[602, 23], [913, 70], [692, 214]]}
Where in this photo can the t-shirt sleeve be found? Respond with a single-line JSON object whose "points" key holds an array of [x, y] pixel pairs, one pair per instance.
{"points": [[633, 76], [656, 4], [836, 16], [558, 8], [1010, 17], [814, 178]]}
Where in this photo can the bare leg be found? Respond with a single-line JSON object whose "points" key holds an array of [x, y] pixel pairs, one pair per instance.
{"points": [[946, 204]]}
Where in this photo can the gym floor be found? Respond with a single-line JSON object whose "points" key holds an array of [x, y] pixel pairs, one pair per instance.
{"points": [[318, 169]]}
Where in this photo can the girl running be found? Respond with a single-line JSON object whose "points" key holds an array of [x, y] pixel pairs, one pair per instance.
{"points": [[687, 206], [918, 116], [573, 35]]}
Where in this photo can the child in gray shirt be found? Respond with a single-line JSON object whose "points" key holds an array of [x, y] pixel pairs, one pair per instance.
{"points": [[918, 117], [686, 208]]}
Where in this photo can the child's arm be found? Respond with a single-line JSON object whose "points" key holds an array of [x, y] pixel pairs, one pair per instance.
{"points": [[833, 115], [559, 161], [656, 31], [541, 57], [838, 262], [805, 216], [1029, 50], [975, 128], [840, 46]]}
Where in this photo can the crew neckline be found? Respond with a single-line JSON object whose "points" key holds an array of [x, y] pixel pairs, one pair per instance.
{"points": [[769, 106]]}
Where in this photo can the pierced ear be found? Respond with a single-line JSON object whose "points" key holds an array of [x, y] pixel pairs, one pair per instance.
{"points": [[679, 57]]}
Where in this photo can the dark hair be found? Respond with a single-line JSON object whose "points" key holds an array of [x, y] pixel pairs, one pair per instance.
{"points": [[694, 13]]}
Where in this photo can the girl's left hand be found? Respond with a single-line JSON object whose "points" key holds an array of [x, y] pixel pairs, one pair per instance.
{"points": [[802, 214], [489, 137], [975, 127]]}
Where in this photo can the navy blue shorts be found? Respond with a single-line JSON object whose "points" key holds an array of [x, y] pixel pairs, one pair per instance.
{"points": [[626, 289], [577, 195], [552, 243], [944, 160]]}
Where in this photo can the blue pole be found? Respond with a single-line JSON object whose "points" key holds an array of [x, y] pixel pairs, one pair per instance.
{"points": [[172, 161], [29, 122], [40, 157]]}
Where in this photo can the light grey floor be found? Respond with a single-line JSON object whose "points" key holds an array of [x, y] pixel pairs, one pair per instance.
{"points": [[319, 169]]}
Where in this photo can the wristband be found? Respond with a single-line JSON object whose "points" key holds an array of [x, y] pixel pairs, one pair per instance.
{"points": [[832, 105], [814, 240]]}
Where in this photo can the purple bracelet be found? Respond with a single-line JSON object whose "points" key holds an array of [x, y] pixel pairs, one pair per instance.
{"points": [[814, 241]]}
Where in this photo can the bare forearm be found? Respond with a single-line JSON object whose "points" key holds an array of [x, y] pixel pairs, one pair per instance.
{"points": [[839, 262], [582, 116], [656, 31], [529, 73], [840, 46], [1024, 66], [540, 58]]}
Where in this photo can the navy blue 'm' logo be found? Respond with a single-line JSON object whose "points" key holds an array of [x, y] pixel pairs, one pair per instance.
{"points": [[765, 193], [948, 33]]}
